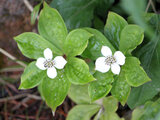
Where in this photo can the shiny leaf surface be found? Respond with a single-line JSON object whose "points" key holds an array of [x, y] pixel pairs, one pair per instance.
{"points": [[32, 45], [135, 75], [93, 50], [51, 26], [55, 90], [113, 28], [77, 71], [76, 42], [80, 112], [32, 76]]}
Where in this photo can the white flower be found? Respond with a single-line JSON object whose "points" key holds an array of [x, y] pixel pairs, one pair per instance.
{"points": [[103, 64], [49, 64]]}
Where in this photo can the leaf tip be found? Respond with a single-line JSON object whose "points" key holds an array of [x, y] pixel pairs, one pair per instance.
{"points": [[15, 38], [21, 87], [123, 103]]}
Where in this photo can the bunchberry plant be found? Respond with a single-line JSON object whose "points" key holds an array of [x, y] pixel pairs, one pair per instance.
{"points": [[123, 37], [60, 59], [54, 48]]}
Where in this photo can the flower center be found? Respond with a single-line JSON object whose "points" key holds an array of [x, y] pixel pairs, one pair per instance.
{"points": [[110, 60], [49, 63]]}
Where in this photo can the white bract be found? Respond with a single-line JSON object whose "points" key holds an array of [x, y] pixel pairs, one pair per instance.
{"points": [[103, 64], [49, 64]]}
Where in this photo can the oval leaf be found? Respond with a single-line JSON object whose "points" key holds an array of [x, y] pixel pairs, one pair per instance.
{"points": [[135, 75], [32, 45], [101, 87], [108, 76], [77, 71], [76, 42], [79, 94], [110, 104], [32, 76], [113, 28], [55, 90], [80, 112], [121, 88], [98, 89], [131, 37], [51, 26], [110, 116]]}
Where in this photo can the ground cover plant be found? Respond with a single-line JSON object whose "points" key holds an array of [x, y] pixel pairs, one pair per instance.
{"points": [[105, 63]]}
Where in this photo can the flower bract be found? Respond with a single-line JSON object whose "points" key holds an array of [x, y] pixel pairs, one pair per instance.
{"points": [[103, 64], [50, 64]]}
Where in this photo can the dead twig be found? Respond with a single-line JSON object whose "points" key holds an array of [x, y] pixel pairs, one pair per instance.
{"points": [[9, 85], [13, 98], [34, 97], [20, 96], [61, 112], [28, 5], [12, 57], [23, 102], [22, 116], [148, 5], [11, 69], [153, 7], [39, 111], [14, 101], [100, 113]]}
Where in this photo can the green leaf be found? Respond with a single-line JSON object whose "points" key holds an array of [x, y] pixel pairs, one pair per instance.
{"points": [[135, 8], [40, 91], [120, 88], [93, 50], [98, 24], [110, 116], [113, 28], [146, 16], [149, 56], [55, 90], [91, 65], [51, 26], [32, 76], [76, 42], [80, 13], [108, 76], [137, 113], [135, 75], [98, 89], [77, 13], [79, 94], [82, 112], [77, 71], [32, 45], [110, 104], [34, 13], [102, 7], [151, 111], [101, 87], [131, 37]]}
